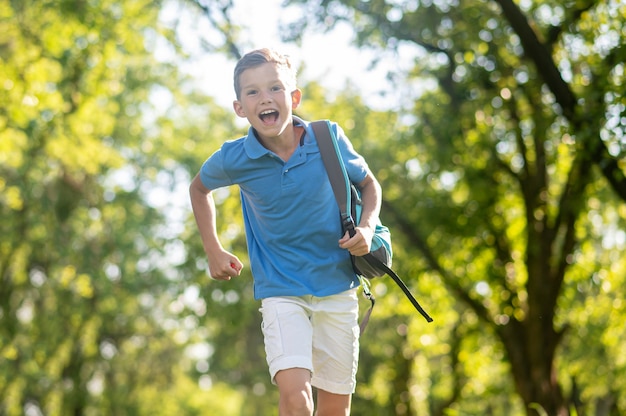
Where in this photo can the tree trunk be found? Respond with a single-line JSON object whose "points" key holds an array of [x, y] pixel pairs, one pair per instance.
{"points": [[533, 370]]}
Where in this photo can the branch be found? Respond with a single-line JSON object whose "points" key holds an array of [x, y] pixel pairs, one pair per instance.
{"points": [[226, 29], [608, 164], [540, 55], [573, 16], [610, 168]]}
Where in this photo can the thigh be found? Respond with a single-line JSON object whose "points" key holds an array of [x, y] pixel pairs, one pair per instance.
{"points": [[287, 334], [336, 343]]}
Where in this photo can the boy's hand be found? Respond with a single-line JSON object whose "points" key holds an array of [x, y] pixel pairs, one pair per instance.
{"points": [[224, 266], [360, 244]]}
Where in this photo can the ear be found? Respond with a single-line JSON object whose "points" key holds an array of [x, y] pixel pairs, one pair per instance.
{"points": [[239, 109], [296, 98]]}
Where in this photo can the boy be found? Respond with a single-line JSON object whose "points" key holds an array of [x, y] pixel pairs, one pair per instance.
{"points": [[300, 262]]}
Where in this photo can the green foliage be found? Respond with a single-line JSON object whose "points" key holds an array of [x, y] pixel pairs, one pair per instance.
{"points": [[95, 316], [496, 180]]}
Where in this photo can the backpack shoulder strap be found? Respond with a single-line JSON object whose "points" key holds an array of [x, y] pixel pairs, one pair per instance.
{"points": [[335, 169]]}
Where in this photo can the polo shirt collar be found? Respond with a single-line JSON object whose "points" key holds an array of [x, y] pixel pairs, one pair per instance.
{"points": [[254, 148]]}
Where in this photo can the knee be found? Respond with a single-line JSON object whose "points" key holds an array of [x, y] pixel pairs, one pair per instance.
{"points": [[296, 403]]}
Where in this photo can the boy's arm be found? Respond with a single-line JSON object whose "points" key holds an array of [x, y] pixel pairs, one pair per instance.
{"points": [[222, 264], [371, 197]]}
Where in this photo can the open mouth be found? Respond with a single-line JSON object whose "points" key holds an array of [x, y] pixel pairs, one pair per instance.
{"points": [[269, 116]]}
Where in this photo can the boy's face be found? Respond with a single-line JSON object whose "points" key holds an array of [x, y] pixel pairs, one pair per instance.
{"points": [[267, 100]]}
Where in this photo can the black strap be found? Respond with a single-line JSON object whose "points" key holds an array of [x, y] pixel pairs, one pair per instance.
{"points": [[372, 259], [368, 295], [341, 188]]}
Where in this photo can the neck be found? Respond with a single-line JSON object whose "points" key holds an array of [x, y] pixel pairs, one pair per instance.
{"points": [[286, 145]]}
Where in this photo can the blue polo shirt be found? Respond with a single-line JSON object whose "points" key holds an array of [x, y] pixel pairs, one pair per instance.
{"points": [[290, 213]]}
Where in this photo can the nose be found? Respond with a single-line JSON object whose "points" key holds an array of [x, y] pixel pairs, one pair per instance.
{"points": [[266, 97]]}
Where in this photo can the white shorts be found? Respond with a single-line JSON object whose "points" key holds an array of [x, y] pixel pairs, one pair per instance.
{"points": [[318, 334]]}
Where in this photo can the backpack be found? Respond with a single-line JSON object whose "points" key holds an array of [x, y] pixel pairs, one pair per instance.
{"points": [[378, 261]]}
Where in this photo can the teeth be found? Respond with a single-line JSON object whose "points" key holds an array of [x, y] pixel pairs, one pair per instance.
{"points": [[267, 112]]}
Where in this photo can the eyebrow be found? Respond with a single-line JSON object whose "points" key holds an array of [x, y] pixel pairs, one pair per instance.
{"points": [[254, 84]]}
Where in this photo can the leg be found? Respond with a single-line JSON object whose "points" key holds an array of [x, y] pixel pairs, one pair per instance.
{"points": [[288, 338], [335, 352], [296, 394], [331, 404]]}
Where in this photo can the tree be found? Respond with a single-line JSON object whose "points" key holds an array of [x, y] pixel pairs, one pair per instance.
{"points": [[496, 180], [95, 317]]}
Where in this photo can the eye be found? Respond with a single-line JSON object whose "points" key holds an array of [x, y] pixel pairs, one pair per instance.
{"points": [[251, 92], [277, 88]]}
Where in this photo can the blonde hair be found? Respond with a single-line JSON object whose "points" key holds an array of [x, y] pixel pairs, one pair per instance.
{"points": [[263, 56]]}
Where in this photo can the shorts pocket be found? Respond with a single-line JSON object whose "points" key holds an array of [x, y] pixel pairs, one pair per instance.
{"points": [[271, 333]]}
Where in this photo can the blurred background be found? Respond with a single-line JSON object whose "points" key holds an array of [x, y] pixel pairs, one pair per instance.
{"points": [[496, 127]]}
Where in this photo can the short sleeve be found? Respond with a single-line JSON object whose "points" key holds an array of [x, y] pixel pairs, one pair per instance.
{"points": [[212, 173]]}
